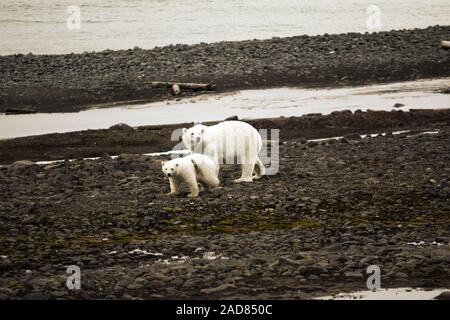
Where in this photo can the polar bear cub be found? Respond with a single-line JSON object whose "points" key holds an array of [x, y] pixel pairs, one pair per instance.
{"points": [[230, 142], [192, 170]]}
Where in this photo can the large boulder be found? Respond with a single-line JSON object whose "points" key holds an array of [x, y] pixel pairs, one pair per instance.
{"points": [[443, 296], [232, 118], [20, 165], [353, 137]]}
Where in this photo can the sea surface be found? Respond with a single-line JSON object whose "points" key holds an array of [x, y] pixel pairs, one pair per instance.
{"points": [[51, 26]]}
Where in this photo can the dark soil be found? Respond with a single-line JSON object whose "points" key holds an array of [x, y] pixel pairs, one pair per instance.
{"points": [[333, 209], [72, 82]]}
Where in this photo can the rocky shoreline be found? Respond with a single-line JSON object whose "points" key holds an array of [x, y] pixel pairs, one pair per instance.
{"points": [[151, 139], [72, 82], [334, 208]]}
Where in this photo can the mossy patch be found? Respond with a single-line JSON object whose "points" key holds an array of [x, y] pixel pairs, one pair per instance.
{"points": [[237, 223]]}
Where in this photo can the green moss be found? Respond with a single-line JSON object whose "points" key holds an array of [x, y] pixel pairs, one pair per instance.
{"points": [[308, 224], [260, 222], [234, 223]]}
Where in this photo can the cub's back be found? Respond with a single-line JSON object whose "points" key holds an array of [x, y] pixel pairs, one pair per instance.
{"points": [[201, 159]]}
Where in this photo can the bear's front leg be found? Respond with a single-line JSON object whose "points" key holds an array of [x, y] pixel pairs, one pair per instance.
{"points": [[193, 186], [194, 191], [173, 187], [247, 173]]}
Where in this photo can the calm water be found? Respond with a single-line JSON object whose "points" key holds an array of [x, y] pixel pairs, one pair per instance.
{"points": [[249, 104], [39, 26]]}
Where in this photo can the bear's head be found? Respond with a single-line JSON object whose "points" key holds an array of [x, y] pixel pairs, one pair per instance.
{"points": [[170, 168], [193, 137]]}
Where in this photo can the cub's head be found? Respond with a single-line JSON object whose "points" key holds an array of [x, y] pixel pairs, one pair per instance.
{"points": [[193, 137], [170, 168]]}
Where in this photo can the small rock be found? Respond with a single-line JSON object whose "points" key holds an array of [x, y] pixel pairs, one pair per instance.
{"points": [[52, 166], [146, 222], [207, 219], [345, 111], [121, 127], [440, 259], [401, 275], [28, 220], [288, 261], [353, 137], [43, 219], [353, 275], [311, 144], [443, 296], [257, 261], [128, 157], [138, 283], [5, 263], [220, 288], [37, 296]]}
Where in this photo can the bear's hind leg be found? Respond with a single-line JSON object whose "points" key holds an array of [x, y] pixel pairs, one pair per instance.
{"points": [[247, 173], [210, 183], [260, 170]]}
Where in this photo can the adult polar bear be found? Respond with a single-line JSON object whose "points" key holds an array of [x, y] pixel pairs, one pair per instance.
{"points": [[228, 142]]}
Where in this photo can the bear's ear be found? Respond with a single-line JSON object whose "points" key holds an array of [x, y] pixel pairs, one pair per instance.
{"points": [[162, 163], [184, 130], [203, 131], [177, 165]]}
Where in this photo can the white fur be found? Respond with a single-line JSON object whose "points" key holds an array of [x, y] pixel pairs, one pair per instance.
{"points": [[228, 142], [192, 170]]}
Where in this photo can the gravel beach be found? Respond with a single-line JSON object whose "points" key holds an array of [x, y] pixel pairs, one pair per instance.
{"points": [[72, 82], [334, 208], [152, 139]]}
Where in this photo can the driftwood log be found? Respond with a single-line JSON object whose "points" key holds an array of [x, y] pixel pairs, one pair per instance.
{"points": [[176, 87], [445, 44]]}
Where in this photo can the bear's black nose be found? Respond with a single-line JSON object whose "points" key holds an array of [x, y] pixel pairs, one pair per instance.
{"points": [[169, 175], [197, 139]]}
